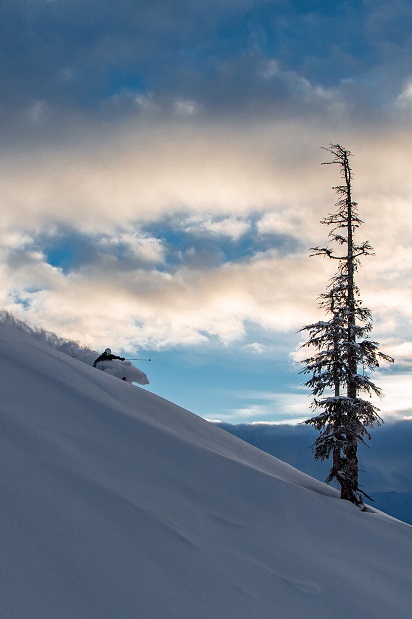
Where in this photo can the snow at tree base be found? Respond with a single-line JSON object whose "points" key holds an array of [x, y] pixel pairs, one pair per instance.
{"points": [[118, 504]]}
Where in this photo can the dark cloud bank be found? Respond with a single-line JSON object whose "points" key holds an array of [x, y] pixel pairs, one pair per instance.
{"points": [[76, 53], [385, 464]]}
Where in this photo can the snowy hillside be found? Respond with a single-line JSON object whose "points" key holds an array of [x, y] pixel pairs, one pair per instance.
{"points": [[116, 504]]}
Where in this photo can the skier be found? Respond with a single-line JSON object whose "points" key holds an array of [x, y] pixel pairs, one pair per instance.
{"points": [[107, 356]]}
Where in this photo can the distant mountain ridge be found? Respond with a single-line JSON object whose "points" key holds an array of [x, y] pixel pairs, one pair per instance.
{"points": [[385, 463]]}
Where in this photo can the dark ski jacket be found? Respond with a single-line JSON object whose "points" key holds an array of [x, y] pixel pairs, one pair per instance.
{"points": [[105, 357]]}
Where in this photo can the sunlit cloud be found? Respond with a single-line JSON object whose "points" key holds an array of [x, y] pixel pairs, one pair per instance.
{"points": [[280, 222], [185, 107], [403, 103], [232, 227], [289, 407], [142, 246], [397, 401], [162, 183], [110, 195]]}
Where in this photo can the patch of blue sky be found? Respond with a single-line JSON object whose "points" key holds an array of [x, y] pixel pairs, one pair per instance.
{"points": [[24, 299], [222, 384], [306, 36], [188, 244], [68, 250], [60, 256], [124, 80], [194, 246], [182, 248]]}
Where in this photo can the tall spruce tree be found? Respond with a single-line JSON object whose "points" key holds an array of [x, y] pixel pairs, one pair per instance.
{"points": [[342, 352]]}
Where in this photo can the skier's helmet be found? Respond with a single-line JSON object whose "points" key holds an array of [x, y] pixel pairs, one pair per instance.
{"points": [[107, 351]]}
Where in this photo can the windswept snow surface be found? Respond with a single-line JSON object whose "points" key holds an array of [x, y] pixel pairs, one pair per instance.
{"points": [[118, 504], [121, 369]]}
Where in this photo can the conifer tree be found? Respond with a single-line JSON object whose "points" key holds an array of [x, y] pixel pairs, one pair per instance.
{"points": [[342, 352]]}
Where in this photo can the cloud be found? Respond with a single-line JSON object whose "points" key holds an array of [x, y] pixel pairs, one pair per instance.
{"points": [[232, 227], [217, 227], [280, 222], [160, 170], [132, 245], [262, 407], [68, 59]]}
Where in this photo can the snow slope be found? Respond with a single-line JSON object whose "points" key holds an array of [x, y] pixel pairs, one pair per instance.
{"points": [[121, 369], [118, 504]]}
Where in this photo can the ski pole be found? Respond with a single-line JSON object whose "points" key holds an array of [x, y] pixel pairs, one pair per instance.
{"points": [[137, 359]]}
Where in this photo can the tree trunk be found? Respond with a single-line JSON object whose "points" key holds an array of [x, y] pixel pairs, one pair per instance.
{"points": [[350, 480]]}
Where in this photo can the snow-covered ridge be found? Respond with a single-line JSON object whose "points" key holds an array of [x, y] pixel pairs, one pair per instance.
{"points": [[69, 347], [119, 369], [117, 504]]}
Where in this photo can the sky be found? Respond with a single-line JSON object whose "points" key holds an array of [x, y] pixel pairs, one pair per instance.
{"points": [[161, 185]]}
